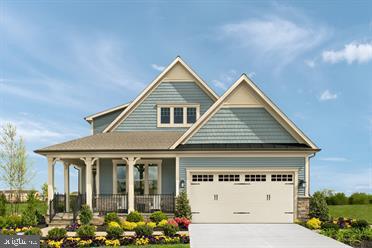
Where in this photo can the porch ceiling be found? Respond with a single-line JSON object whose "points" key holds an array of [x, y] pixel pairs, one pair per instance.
{"points": [[117, 141]]}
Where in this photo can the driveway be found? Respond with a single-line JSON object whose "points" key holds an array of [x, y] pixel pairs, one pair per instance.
{"points": [[258, 236]]}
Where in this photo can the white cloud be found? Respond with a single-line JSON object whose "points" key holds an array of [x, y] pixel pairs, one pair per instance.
{"points": [[310, 63], [328, 95], [334, 159], [352, 52], [219, 84], [225, 79], [158, 67], [275, 37], [251, 74]]}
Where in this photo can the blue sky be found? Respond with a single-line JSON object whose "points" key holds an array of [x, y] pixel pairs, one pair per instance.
{"points": [[62, 61]]}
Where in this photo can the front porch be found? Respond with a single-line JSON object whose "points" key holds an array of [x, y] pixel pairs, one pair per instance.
{"points": [[115, 184]]}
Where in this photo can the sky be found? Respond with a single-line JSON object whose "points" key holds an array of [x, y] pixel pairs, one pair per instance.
{"points": [[61, 61]]}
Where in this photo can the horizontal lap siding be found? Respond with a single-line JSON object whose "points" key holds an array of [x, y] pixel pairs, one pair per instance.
{"points": [[241, 125], [105, 176], [243, 162], [100, 123], [144, 117], [168, 179]]}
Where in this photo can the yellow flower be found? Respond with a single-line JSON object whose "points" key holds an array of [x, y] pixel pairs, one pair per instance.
{"points": [[142, 241], [114, 242], [129, 226], [151, 224], [18, 230], [100, 238], [162, 223], [113, 224], [141, 223], [313, 223]]}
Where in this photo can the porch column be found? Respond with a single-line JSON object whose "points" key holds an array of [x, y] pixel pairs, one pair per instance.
{"points": [[97, 176], [89, 161], [131, 161], [51, 163], [67, 184], [177, 176]]}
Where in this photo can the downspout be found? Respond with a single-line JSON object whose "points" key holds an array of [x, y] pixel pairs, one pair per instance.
{"points": [[308, 183]]}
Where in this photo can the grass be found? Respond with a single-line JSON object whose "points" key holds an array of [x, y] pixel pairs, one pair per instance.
{"points": [[42, 206], [160, 246], [352, 211]]}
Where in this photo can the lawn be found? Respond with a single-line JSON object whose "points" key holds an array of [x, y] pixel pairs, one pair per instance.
{"points": [[352, 211], [42, 206]]}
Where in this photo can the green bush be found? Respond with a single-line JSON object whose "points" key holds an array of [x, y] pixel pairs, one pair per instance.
{"points": [[329, 225], [29, 218], [158, 216], [3, 202], [8, 232], [360, 224], [110, 217], [33, 231], [134, 217], [143, 230], [114, 232], [359, 198], [170, 230], [13, 221], [183, 208], [318, 207], [2, 222], [85, 215], [56, 234], [337, 199], [86, 232]]}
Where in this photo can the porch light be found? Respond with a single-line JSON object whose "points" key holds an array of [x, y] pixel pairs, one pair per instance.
{"points": [[182, 184], [301, 183]]}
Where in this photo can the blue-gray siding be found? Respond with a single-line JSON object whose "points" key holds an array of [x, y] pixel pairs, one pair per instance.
{"points": [[105, 176], [168, 181], [243, 162], [144, 117], [101, 122], [241, 125]]}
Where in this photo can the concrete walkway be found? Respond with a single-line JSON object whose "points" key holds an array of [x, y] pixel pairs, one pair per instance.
{"points": [[258, 236]]}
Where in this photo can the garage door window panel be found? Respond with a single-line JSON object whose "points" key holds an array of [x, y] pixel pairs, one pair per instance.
{"points": [[282, 178], [202, 178], [229, 178], [255, 178]]}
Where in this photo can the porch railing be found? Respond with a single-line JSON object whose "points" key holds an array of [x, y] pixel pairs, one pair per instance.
{"points": [[154, 202], [104, 203], [76, 201], [57, 205]]}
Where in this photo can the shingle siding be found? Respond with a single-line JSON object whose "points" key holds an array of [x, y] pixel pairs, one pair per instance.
{"points": [[144, 117], [243, 162], [101, 122], [241, 125]]}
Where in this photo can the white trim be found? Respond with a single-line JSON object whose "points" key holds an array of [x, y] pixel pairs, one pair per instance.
{"points": [[171, 109], [97, 176], [307, 176], [177, 176], [217, 105], [90, 118], [152, 86]]}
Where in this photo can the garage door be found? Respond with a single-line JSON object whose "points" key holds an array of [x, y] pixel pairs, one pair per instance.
{"points": [[241, 197]]}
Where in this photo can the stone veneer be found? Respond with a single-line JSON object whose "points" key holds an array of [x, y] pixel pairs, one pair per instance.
{"points": [[303, 204]]}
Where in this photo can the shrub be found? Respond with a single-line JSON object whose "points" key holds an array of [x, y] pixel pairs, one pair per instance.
{"points": [[29, 218], [183, 222], [313, 223], [3, 202], [151, 224], [158, 216], [8, 232], [86, 232], [129, 226], [2, 221], [86, 215], [113, 224], [56, 233], [134, 217], [109, 217], [359, 198], [329, 225], [13, 221], [173, 222], [33, 231], [318, 206], [183, 208], [170, 230], [162, 223], [360, 224], [143, 230], [114, 231], [337, 199]]}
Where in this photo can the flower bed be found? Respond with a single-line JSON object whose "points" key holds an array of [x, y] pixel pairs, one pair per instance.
{"points": [[122, 241]]}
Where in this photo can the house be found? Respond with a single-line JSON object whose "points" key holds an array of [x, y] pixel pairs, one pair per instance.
{"points": [[14, 196], [239, 158]]}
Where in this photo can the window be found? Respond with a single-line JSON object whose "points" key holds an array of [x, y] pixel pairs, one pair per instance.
{"points": [[165, 115], [255, 178], [281, 177], [178, 115], [228, 178], [153, 178], [202, 178], [121, 178], [191, 115]]}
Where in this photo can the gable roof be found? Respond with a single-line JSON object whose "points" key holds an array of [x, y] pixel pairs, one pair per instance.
{"points": [[269, 105], [129, 109], [90, 118]]}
